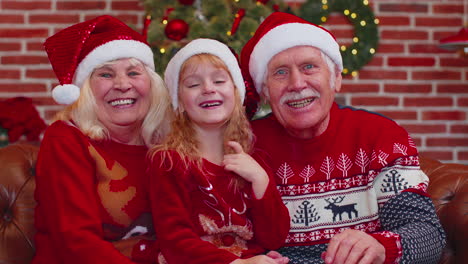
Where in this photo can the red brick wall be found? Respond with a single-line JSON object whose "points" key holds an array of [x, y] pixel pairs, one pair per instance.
{"points": [[410, 79]]}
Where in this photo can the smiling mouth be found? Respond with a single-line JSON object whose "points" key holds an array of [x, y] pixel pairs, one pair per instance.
{"points": [[210, 104], [121, 102], [301, 103]]}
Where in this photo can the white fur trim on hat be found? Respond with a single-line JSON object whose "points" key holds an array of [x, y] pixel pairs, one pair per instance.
{"points": [[66, 94], [113, 50], [287, 36], [201, 46]]}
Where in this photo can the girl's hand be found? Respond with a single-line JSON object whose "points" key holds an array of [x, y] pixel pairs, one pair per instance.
{"points": [[261, 259], [247, 167]]}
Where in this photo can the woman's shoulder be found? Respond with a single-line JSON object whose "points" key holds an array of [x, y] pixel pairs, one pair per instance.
{"points": [[61, 125], [63, 129]]}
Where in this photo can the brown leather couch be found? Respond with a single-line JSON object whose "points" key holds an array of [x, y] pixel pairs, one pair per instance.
{"points": [[448, 188]]}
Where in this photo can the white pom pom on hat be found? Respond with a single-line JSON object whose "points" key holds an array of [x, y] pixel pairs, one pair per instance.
{"points": [[74, 52], [66, 94]]}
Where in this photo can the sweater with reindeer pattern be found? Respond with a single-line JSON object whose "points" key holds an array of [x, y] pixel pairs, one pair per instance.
{"points": [[361, 173], [92, 204], [202, 218]]}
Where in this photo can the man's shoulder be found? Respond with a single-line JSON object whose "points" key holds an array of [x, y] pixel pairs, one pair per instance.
{"points": [[363, 113], [350, 114], [370, 128]]}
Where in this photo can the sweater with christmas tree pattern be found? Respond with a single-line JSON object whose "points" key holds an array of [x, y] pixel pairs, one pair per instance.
{"points": [[92, 204], [200, 218], [362, 173]]}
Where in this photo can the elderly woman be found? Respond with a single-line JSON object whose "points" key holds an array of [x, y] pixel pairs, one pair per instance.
{"points": [[91, 170]]}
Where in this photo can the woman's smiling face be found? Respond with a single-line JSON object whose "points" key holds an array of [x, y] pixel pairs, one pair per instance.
{"points": [[122, 91]]}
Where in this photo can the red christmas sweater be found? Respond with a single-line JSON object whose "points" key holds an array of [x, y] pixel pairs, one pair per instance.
{"points": [[343, 177], [91, 201], [199, 218]]}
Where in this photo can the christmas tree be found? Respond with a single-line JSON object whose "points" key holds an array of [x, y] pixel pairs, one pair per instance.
{"points": [[175, 22]]}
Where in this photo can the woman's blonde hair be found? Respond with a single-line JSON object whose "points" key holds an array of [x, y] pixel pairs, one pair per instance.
{"points": [[155, 125], [181, 138]]}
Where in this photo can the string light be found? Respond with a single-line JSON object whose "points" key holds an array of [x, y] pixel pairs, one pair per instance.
{"points": [[355, 54], [203, 19], [360, 15]]}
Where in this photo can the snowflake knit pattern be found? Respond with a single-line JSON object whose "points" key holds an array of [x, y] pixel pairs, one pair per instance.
{"points": [[344, 177]]}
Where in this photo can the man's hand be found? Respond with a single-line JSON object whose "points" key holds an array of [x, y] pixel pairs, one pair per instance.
{"points": [[353, 246], [278, 257], [247, 167], [263, 259]]}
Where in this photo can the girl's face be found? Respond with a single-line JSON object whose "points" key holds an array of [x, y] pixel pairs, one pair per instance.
{"points": [[206, 93], [122, 92]]}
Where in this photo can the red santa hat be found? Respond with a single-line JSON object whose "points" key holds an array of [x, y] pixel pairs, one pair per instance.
{"points": [[278, 32], [202, 46], [75, 51]]}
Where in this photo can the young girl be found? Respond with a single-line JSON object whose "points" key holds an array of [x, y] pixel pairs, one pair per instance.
{"points": [[211, 201]]}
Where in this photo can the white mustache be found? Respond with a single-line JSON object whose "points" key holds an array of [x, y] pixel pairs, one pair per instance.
{"points": [[293, 96]]}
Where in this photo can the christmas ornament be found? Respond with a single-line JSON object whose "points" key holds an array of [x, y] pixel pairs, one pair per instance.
{"points": [[146, 23], [176, 29], [186, 2], [240, 14], [222, 20], [166, 15]]}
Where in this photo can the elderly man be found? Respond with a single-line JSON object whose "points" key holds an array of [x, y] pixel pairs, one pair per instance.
{"points": [[350, 178]]}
